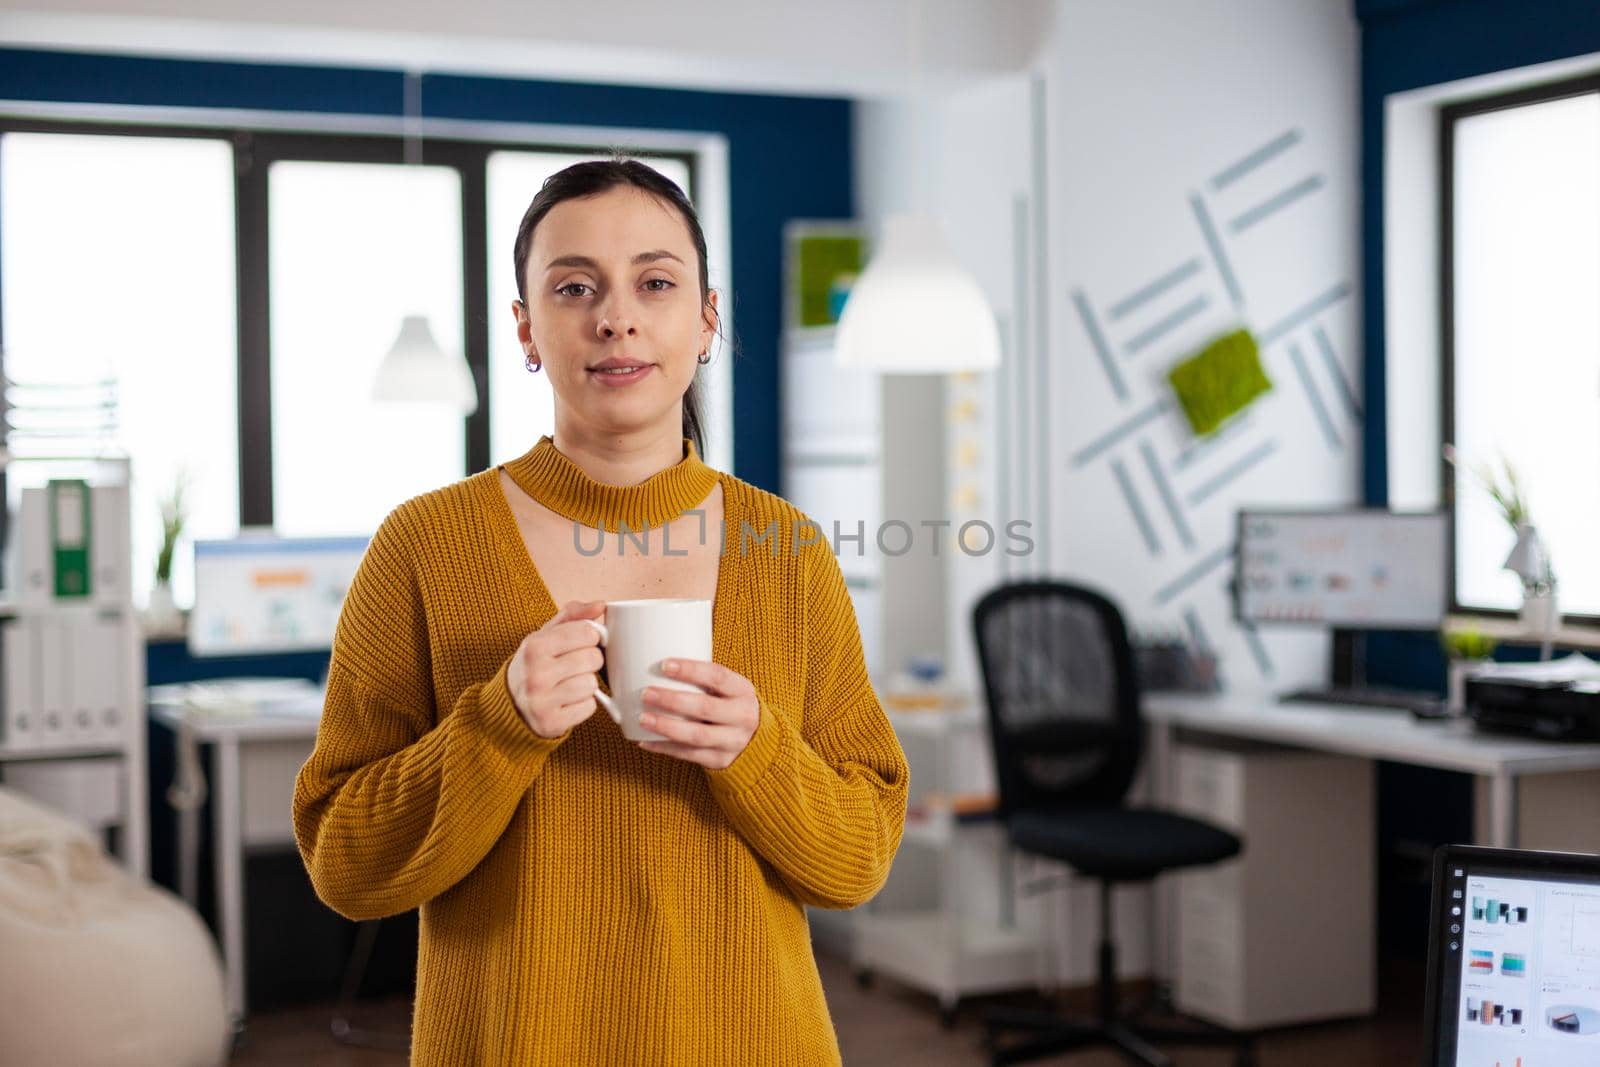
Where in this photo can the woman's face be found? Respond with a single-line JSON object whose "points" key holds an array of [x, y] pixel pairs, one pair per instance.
{"points": [[613, 310]]}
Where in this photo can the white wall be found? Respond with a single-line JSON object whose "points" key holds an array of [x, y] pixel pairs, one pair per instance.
{"points": [[1135, 110], [1150, 104]]}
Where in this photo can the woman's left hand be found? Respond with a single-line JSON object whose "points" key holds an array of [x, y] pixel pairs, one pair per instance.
{"points": [[709, 728]]}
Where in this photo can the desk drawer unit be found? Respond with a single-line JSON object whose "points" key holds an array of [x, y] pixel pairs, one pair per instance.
{"points": [[1285, 933]]}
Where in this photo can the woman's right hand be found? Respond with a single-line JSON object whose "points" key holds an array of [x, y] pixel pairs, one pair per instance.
{"points": [[552, 675]]}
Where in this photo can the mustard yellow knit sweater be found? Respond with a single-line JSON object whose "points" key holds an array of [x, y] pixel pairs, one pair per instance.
{"points": [[584, 901]]}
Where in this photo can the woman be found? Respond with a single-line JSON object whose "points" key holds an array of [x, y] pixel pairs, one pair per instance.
{"points": [[585, 899]]}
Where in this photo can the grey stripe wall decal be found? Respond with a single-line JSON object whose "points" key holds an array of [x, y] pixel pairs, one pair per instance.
{"points": [[1193, 574], [1168, 324], [1235, 171], [1117, 433], [1164, 489], [1315, 397], [1276, 203], [1197, 633], [1204, 446], [1140, 516], [1214, 243], [1154, 289], [1322, 302], [1257, 649], [1232, 471], [1336, 372], [1101, 348]]}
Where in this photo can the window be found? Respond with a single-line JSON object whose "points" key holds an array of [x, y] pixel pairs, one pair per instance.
{"points": [[118, 257], [1522, 332], [242, 285], [353, 248]]}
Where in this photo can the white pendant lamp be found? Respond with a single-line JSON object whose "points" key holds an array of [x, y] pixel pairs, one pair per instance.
{"points": [[915, 309], [418, 371]]}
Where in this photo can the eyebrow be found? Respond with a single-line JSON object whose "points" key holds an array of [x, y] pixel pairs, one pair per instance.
{"points": [[586, 262]]}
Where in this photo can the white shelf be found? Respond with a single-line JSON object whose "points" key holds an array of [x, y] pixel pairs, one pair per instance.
{"points": [[950, 957], [18, 755], [127, 748]]}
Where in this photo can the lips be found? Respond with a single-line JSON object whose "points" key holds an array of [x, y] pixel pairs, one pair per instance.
{"points": [[619, 372]]}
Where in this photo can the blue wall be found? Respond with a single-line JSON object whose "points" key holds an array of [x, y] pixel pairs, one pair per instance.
{"points": [[1408, 44], [788, 157]]}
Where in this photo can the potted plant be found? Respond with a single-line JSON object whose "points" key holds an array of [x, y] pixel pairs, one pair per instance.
{"points": [[163, 613], [1466, 651], [1528, 558]]}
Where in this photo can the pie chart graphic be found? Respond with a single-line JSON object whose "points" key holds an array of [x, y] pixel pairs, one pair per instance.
{"points": [[1570, 1019]]}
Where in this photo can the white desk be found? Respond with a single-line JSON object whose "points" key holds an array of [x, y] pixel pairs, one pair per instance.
{"points": [[258, 753], [1375, 733], [1499, 761]]}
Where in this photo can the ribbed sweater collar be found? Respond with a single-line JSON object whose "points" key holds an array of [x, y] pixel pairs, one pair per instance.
{"points": [[554, 480]]}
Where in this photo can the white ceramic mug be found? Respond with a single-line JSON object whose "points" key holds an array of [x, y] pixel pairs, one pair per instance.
{"points": [[637, 635]]}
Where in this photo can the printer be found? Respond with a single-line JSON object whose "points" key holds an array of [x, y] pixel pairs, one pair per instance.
{"points": [[1558, 700]]}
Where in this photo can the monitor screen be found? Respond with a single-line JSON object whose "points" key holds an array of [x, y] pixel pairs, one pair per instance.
{"points": [[261, 593], [1516, 971], [1360, 568]]}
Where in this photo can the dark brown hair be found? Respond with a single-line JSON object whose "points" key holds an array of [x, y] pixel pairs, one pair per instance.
{"points": [[591, 178]]}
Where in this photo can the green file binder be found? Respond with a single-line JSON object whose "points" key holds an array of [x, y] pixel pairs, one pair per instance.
{"points": [[68, 500]]}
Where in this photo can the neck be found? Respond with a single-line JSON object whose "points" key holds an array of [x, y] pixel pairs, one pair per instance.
{"points": [[620, 458]]}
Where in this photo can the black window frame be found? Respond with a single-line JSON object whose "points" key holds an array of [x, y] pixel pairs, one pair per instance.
{"points": [[1449, 114], [254, 152]]}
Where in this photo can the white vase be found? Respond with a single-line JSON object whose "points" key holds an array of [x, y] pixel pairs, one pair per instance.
{"points": [[1540, 613], [161, 615]]}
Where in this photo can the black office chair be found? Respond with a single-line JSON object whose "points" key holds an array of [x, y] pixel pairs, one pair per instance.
{"points": [[1065, 724]]}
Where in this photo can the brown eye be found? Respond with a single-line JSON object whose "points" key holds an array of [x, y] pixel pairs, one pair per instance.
{"points": [[574, 289]]}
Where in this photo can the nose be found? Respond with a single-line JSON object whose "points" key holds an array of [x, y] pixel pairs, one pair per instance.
{"points": [[615, 320]]}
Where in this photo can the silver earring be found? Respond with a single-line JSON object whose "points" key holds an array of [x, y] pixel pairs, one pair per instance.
{"points": [[703, 358], [531, 363]]}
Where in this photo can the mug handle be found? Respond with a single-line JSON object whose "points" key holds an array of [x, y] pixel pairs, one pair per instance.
{"points": [[601, 698]]}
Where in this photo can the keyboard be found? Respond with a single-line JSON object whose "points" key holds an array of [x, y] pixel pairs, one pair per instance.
{"points": [[1422, 705]]}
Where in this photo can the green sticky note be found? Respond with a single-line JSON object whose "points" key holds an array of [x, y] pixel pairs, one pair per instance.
{"points": [[1219, 381], [826, 265]]}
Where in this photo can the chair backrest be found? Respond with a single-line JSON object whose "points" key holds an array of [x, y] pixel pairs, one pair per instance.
{"points": [[1063, 704]]}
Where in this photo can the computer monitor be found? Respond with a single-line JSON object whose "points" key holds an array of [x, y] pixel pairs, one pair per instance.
{"points": [[259, 593], [1360, 569], [1513, 959]]}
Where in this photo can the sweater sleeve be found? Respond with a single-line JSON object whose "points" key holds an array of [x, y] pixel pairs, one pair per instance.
{"points": [[820, 790], [398, 803]]}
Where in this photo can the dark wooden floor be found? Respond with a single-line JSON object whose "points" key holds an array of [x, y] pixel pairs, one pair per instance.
{"points": [[889, 1025]]}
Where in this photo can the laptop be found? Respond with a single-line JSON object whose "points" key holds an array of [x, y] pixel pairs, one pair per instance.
{"points": [[1513, 959]]}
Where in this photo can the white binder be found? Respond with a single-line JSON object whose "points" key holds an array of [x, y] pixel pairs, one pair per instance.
{"points": [[30, 572], [97, 680], [20, 722], [109, 551], [55, 681]]}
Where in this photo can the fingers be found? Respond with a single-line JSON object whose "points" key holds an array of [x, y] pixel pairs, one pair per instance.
{"points": [[689, 705], [576, 609], [712, 677], [692, 734], [556, 640]]}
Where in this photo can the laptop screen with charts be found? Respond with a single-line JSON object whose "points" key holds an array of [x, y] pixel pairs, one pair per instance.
{"points": [[1514, 959]]}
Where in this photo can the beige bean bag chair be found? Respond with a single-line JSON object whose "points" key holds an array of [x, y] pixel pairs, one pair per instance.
{"points": [[96, 966]]}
